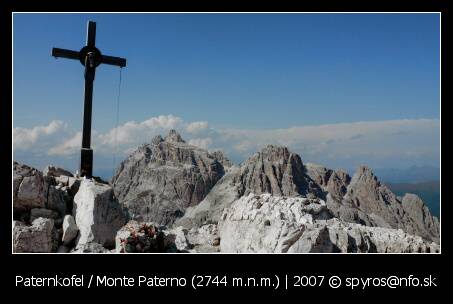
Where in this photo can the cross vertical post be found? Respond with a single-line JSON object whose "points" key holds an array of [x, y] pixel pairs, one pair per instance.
{"points": [[86, 156], [90, 57]]}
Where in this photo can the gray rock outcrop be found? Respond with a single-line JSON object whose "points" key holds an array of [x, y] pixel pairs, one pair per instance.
{"points": [[425, 223], [208, 211], [334, 182], [58, 199], [366, 193], [161, 179], [43, 212], [363, 199], [273, 170], [277, 171], [97, 213], [37, 237], [29, 188], [41, 203], [36, 199], [221, 158]]}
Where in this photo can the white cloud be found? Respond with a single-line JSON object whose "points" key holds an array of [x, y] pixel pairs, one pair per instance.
{"points": [[24, 138], [197, 126], [68, 147], [375, 143], [203, 143], [132, 132], [377, 140]]}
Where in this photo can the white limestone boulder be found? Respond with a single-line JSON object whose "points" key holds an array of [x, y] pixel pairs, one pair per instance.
{"points": [[266, 223], [70, 229], [98, 215]]}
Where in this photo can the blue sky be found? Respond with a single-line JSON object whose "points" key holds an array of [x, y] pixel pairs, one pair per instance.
{"points": [[246, 72]]}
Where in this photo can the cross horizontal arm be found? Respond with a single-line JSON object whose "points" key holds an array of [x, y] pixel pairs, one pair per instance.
{"points": [[121, 62], [56, 52]]}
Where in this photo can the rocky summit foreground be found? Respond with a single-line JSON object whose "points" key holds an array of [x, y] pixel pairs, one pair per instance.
{"points": [[169, 196]]}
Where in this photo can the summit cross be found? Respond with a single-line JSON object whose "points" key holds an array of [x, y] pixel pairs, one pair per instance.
{"points": [[90, 57]]}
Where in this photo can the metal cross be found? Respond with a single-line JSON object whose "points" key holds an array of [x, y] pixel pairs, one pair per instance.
{"points": [[90, 57]]}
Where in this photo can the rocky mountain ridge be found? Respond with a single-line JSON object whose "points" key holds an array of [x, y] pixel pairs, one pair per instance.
{"points": [[159, 180], [169, 196]]}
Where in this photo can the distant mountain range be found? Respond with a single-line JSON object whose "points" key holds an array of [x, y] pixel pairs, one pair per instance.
{"points": [[420, 180]]}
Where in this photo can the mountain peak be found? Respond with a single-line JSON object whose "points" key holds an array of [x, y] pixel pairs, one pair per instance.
{"points": [[174, 136], [365, 170], [275, 170]]}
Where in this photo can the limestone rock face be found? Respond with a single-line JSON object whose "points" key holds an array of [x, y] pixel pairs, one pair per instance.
{"points": [[58, 199], [221, 158], [277, 171], [98, 215], [336, 236], [264, 223], [274, 170], [36, 198], [174, 136], [416, 209], [30, 188], [366, 193], [39, 237], [335, 182], [160, 180], [33, 190], [208, 211]]}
